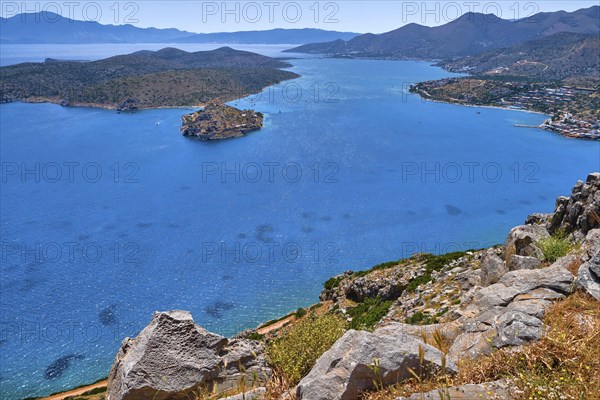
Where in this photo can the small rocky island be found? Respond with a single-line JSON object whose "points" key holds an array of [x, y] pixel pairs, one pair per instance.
{"points": [[219, 121]]}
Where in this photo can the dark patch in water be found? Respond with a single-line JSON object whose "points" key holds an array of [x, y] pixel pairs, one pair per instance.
{"points": [[451, 210], [262, 233], [60, 366], [144, 225], [307, 215], [542, 197], [326, 218], [3, 341], [105, 207], [83, 237], [242, 236], [501, 212], [28, 285], [227, 277], [184, 188], [172, 225], [216, 309], [412, 213], [110, 227], [346, 216], [123, 235], [307, 229], [108, 316], [526, 202], [189, 251]]}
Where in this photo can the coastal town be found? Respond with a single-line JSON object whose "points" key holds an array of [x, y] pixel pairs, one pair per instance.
{"points": [[574, 109]]}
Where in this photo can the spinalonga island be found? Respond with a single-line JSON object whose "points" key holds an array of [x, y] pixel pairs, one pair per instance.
{"points": [[218, 121]]}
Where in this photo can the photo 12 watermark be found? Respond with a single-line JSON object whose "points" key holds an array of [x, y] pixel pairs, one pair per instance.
{"points": [[115, 12], [69, 172], [270, 172]]}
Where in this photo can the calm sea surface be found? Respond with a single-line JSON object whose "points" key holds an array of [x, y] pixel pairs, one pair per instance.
{"points": [[108, 217]]}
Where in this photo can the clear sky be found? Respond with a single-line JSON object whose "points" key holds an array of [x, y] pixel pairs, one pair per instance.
{"points": [[226, 16]]}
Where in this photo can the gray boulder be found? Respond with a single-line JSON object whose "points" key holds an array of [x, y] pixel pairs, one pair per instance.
{"points": [[515, 328], [492, 268], [516, 262], [172, 358], [254, 394], [587, 278], [555, 278], [522, 240], [347, 369], [497, 390]]}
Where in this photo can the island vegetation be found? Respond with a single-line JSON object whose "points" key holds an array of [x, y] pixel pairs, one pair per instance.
{"points": [[166, 78], [219, 121]]}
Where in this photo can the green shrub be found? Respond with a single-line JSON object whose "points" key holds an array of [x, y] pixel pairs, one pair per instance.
{"points": [[420, 318], [301, 312], [296, 352], [435, 263], [333, 282], [368, 313], [255, 336], [419, 280], [556, 246]]}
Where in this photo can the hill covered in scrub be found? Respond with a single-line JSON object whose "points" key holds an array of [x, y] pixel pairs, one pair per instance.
{"points": [[145, 79], [515, 321], [550, 58]]}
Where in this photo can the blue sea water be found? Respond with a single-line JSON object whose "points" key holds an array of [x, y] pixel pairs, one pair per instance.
{"points": [[349, 171]]}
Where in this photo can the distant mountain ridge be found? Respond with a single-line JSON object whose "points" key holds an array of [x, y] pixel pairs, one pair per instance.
{"points": [[468, 35], [51, 28]]}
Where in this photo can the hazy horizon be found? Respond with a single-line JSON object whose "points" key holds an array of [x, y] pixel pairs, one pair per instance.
{"points": [[230, 16]]}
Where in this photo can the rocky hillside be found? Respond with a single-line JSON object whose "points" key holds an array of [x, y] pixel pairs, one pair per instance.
{"points": [[550, 58], [412, 326]]}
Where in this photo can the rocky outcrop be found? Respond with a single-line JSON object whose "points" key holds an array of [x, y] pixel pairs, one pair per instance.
{"points": [[497, 390], [523, 240], [172, 358], [579, 213], [588, 276], [360, 358], [492, 268], [219, 121]]}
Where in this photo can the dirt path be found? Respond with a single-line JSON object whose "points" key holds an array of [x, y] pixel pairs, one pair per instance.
{"points": [[76, 392], [275, 326]]}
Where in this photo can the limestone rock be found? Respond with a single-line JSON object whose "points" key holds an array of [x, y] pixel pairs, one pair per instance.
{"points": [[577, 213], [588, 280], [172, 357], [522, 240], [492, 268], [345, 370], [555, 278], [515, 328], [516, 262], [254, 394], [497, 390]]}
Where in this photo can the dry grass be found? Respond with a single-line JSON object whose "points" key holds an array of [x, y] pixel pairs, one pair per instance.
{"points": [[564, 364]]}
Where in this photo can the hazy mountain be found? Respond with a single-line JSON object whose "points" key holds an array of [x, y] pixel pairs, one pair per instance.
{"points": [[470, 34], [555, 57], [46, 27], [272, 36]]}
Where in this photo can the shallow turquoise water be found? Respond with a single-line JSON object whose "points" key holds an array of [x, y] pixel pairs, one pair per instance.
{"points": [[170, 223]]}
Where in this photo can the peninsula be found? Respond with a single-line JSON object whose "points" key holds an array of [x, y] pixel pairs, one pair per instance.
{"points": [[145, 79]]}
